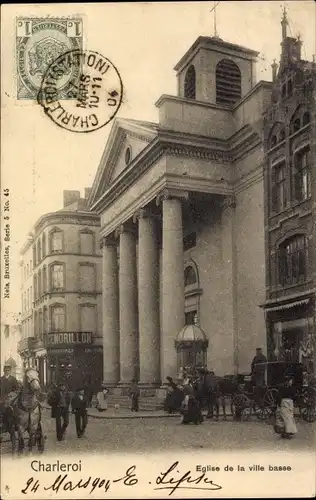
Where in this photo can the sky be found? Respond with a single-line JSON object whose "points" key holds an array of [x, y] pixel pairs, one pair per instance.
{"points": [[144, 41]]}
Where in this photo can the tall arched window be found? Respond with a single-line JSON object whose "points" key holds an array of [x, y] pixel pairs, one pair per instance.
{"points": [[44, 274], [190, 277], [302, 174], [39, 284], [190, 83], [228, 82], [44, 245], [293, 256], [39, 251], [35, 286]]}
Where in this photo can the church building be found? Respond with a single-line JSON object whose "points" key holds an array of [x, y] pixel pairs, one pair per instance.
{"points": [[181, 203]]}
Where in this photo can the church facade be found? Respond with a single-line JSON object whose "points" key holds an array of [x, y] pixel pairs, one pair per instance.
{"points": [[181, 204]]}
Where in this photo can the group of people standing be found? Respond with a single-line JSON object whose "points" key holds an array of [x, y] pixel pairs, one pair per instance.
{"points": [[189, 393]]}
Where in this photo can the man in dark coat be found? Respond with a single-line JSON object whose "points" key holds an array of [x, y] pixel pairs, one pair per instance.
{"points": [[79, 406], [134, 395], [212, 394], [60, 401], [258, 368], [8, 384]]}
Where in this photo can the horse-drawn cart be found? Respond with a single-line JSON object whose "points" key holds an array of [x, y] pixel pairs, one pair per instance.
{"points": [[248, 399]]}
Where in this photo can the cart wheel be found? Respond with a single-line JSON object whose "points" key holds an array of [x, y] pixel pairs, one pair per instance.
{"points": [[308, 414], [270, 399], [240, 406], [308, 405]]}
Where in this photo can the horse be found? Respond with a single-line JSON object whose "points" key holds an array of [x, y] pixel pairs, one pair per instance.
{"points": [[24, 414]]}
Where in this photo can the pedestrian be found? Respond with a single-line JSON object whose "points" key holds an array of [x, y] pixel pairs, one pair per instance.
{"points": [[102, 404], [60, 401], [258, 368], [79, 406], [285, 422], [213, 395], [134, 395], [190, 407]]}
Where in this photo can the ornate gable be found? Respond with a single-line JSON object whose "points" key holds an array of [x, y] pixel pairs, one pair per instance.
{"points": [[126, 141]]}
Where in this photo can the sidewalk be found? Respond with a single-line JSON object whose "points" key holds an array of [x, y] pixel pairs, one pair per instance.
{"points": [[122, 413]]}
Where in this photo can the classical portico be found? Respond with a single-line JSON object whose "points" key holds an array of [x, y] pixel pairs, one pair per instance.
{"points": [[139, 339], [182, 223]]}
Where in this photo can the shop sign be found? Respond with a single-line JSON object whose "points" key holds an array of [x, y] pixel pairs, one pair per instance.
{"points": [[60, 351], [93, 349], [69, 338]]}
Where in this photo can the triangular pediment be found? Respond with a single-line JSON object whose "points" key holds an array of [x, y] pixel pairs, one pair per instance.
{"points": [[127, 139]]}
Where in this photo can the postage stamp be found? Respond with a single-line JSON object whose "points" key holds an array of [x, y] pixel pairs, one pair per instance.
{"points": [[39, 42], [91, 86]]}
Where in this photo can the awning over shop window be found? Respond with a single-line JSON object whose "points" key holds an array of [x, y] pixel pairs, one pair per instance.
{"points": [[281, 307]]}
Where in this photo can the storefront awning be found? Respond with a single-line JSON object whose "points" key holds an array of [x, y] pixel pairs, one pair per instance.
{"points": [[281, 307]]}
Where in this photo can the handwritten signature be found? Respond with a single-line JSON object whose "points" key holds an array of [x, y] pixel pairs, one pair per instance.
{"points": [[166, 481]]}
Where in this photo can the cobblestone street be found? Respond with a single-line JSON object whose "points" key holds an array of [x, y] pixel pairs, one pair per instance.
{"points": [[167, 434]]}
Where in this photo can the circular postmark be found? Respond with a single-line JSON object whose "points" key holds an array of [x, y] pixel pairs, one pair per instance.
{"points": [[94, 91]]}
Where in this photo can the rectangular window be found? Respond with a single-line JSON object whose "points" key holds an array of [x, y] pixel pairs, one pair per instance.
{"points": [[278, 187], [57, 277], [87, 278], [88, 318], [87, 243], [58, 319], [302, 175], [56, 241], [293, 261]]}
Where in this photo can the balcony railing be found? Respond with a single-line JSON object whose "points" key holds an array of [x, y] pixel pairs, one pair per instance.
{"points": [[30, 344]]}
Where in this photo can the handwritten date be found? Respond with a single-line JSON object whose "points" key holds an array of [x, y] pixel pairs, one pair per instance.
{"points": [[172, 480]]}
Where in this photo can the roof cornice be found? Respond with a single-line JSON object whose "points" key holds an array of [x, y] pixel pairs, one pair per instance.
{"points": [[171, 143]]}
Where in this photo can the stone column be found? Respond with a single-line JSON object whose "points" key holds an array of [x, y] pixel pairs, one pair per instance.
{"points": [[172, 280], [110, 312], [148, 300], [229, 286], [128, 305]]}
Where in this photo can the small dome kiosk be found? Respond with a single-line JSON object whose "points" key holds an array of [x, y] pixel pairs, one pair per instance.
{"points": [[191, 345]]}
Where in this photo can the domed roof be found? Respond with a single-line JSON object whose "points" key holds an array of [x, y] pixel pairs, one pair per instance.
{"points": [[10, 362], [191, 333]]}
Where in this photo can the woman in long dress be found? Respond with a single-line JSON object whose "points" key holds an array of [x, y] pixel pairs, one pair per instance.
{"points": [[285, 422], [102, 404]]}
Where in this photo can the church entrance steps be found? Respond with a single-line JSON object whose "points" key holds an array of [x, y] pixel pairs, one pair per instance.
{"points": [[145, 403]]}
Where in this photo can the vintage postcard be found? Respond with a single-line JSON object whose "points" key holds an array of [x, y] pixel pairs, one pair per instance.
{"points": [[158, 250]]}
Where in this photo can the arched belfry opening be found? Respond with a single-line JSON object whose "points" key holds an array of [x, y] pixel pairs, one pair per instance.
{"points": [[228, 82], [190, 83]]}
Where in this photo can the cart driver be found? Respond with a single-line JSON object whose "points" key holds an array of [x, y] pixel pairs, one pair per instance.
{"points": [[8, 385], [258, 368]]}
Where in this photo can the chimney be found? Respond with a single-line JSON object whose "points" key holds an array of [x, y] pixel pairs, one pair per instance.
{"points": [[87, 192], [274, 67], [70, 197]]}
